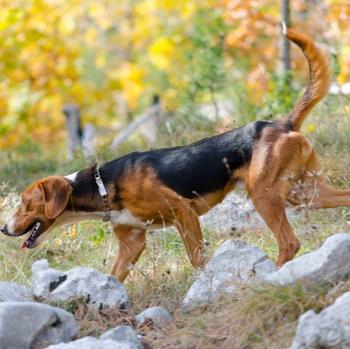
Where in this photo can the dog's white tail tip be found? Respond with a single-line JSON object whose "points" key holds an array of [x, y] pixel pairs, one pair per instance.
{"points": [[284, 28]]}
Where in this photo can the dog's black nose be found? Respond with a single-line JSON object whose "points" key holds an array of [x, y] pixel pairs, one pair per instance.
{"points": [[4, 230]]}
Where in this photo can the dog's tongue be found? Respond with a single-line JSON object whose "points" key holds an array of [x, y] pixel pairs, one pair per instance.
{"points": [[23, 245]]}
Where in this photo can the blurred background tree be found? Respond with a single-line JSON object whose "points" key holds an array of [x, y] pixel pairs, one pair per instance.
{"points": [[111, 57]]}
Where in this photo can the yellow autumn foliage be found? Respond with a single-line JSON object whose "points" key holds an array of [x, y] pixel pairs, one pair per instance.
{"points": [[131, 81], [162, 52], [95, 52]]}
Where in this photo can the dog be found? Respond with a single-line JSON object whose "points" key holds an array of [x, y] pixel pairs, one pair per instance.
{"points": [[174, 186]]}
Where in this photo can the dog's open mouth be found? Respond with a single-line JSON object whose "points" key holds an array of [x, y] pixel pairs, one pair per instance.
{"points": [[35, 230]]}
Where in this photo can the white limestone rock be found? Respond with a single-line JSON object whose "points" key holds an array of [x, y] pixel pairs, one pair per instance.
{"points": [[97, 289], [329, 264], [233, 264], [45, 279], [123, 333], [94, 343], [156, 316], [330, 329], [12, 292], [31, 325]]}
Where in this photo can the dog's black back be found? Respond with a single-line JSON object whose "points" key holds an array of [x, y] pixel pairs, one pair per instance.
{"points": [[196, 169]]}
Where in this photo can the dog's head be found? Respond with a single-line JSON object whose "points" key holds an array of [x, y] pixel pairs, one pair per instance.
{"points": [[42, 203]]}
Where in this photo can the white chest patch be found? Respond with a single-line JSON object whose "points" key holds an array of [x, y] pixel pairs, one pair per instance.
{"points": [[72, 176], [124, 217]]}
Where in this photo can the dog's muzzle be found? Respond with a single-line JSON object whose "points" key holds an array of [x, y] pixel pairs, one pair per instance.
{"points": [[5, 231]]}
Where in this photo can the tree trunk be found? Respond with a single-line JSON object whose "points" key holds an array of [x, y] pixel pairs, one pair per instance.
{"points": [[72, 113], [78, 138], [284, 42]]}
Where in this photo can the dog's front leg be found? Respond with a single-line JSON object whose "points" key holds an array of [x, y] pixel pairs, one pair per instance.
{"points": [[187, 224], [132, 242]]}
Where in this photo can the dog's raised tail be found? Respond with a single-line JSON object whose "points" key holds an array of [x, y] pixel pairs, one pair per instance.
{"points": [[319, 78]]}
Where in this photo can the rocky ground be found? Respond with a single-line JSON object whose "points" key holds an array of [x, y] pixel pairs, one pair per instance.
{"points": [[29, 319]]}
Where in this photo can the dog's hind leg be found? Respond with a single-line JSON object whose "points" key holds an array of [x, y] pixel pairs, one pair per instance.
{"points": [[132, 242], [329, 197], [271, 206], [312, 190], [275, 159]]}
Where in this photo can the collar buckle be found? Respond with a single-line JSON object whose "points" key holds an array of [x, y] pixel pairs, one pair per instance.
{"points": [[104, 195]]}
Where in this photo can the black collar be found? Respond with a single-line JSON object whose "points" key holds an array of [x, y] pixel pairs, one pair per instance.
{"points": [[104, 195]]}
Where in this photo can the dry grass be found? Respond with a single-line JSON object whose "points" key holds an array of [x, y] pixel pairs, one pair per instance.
{"points": [[257, 317], [95, 322]]}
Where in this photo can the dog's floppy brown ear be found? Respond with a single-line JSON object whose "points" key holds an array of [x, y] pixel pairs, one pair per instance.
{"points": [[56, 192]]}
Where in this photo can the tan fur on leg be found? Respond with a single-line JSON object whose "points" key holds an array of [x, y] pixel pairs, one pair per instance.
{"points": [[132, 242]]}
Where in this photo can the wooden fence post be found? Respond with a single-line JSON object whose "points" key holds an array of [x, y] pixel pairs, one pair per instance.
{"points": [[151, 117], [78, 138]]}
